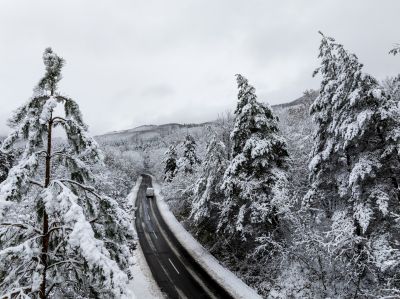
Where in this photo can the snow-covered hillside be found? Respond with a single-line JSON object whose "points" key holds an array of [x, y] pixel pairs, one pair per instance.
{"points": [[299, 200], [136, 149]]}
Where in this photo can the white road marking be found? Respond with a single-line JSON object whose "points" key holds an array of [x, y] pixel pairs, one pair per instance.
{"points": [[155, 235], [173, 266], [180, 293]]}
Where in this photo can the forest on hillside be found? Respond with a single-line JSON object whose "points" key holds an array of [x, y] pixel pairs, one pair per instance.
{"points": [[299, 200]]}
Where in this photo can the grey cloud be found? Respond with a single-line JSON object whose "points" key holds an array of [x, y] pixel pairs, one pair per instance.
{"points": [[157, 91], [136, 62]]}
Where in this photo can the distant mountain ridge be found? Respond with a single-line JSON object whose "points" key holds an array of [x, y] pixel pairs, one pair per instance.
{"points": [[150, 131], [305, 99], [147, 128]]}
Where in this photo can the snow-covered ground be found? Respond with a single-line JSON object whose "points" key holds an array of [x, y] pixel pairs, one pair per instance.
{"points": [[143, 284], [228, 280]]}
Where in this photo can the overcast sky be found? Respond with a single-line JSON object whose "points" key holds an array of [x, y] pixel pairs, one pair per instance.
{"points": [[151, 62]]}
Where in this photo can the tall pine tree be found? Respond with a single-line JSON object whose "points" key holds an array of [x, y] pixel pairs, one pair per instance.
{"points": [[355, 167], [254, 183], [58, 237]]}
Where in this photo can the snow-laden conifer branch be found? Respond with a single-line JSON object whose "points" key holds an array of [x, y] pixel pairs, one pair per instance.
{"points": [[56, 119], [19, 176], [72, 110], [18, 293], [64, 228], [59, 196], [81, 143], [23, 226], [89, 189], [59, 153], [36, 183]]}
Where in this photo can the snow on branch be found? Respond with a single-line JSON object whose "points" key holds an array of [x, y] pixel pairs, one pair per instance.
{"points": [[22, 113], [47, 111], [81, 143], [22, 226], [72, 110], [57, 119], [19, 176], [26, 124], [89, 189], [75, 165], [60, 199]]}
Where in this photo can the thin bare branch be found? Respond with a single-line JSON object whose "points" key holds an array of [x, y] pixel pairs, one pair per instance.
{"points": [[58, 227], [41, 153], [20, 225], [84, 187], [59, 153], [58, 118], [36, 183], [69, 261]]}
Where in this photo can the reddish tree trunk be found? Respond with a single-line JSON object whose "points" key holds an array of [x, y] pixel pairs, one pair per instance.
{"points": [[45, 239]]}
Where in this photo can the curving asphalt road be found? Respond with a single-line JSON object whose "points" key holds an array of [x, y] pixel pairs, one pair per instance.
{"points": [[176, 272]]}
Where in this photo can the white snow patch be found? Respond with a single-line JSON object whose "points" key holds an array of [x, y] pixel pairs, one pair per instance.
{"points": [[48, 108], [228, 280], [143, 284]]}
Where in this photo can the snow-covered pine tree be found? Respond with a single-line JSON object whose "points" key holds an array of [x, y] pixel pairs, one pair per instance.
{"points": [[58, 238], [189, 160], [170, 163], [355, 169], [254, 182], [207, 196]]}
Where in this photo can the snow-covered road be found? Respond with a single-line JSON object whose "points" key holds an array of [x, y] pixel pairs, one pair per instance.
{"points": [[174, 269]]}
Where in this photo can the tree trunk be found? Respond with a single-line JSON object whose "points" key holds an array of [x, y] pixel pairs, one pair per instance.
{"points": [[45, 239]]}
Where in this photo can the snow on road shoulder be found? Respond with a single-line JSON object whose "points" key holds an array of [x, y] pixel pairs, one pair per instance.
{"points": [[228, 280], [143, 284], [131, 199]]}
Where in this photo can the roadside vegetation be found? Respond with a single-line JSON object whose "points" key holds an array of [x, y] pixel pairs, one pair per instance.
{"points": [[300, 200]]}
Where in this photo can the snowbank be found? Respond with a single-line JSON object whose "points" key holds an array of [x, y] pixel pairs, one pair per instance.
{"points": [[143, 284], [229, 281]]}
